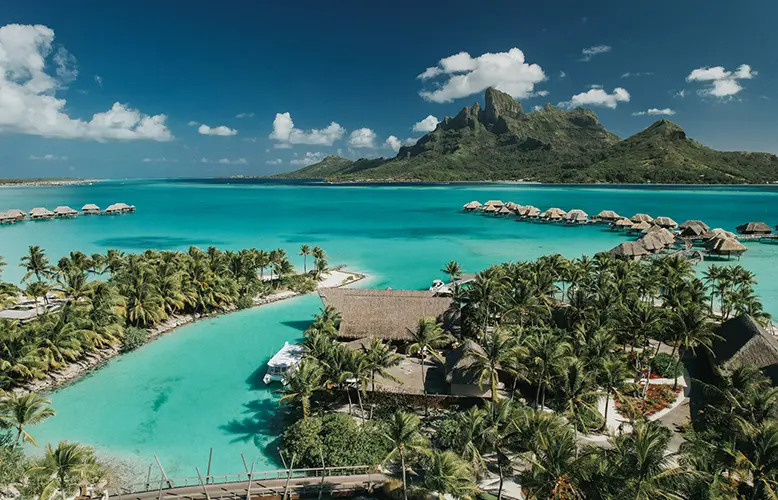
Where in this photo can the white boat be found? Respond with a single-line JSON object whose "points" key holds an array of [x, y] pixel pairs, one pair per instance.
{"points": [[289, 356]]}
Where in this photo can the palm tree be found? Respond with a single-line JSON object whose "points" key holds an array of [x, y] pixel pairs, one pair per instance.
{"points": [[711, 276], [379, 357], [403, 435], [692, 329], [554, 469], [548, 352], [757, 457], [426, 337], [63, 468], [305, 251], [448, 475], [453, 269], [499, 434], [578, 393], [611, 377], [302, 381], [36, 263], [36, 289], [18, 411], [495, 352]]}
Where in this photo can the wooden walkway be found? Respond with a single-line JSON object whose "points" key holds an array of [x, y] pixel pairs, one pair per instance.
{"points": [[337, 481]]}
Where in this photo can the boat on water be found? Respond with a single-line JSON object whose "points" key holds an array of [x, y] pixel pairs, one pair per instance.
{"points": [[289, 356]]}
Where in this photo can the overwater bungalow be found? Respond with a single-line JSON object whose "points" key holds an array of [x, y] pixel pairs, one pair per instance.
{"points": [[495, 203], [665, 222], [113, 209], [6, 219], [576, 216], [607, 216], [641, 218], [16, 214], [638, 227], [529, 212], [663, 234], [553, 214], [65, 211], [754, 228], [693, 229], [41, 213], [622, 224], [473, 205], [90, 209], [629, 250], [717, 233], [504, 210], [694, 222], [652, 242], [726, 246], [490, 209]]}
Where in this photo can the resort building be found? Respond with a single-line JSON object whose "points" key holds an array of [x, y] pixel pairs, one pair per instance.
{"points": [[743, 342], [693, 229], [498, 204], [576, 216], [113, 209], [65, 211], [472, 206], [607, 216], [754, 228], [725, 246], [629, 250], [6, 219], [90, 209], [553, 214], [641, 218], [622, 223], [41, 213], [665, 222], [529, 212], [460, 375], [16, 214]]}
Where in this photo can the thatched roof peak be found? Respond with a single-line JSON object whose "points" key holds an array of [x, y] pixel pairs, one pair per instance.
{"points": [[628, 249], [623, 222], [641, 218], [665, 222], [608, 215], [743, 342], [726, 245], [694, 222], [473, 205], [754, 228]]}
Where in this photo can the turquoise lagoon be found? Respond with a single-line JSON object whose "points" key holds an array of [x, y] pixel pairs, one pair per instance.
{"points": [[200, 386]]}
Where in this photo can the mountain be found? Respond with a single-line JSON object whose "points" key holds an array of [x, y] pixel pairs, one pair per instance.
{"points": [[502, 142]]}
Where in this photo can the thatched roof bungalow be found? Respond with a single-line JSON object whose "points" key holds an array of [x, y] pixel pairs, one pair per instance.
{"points": [[473, 205], [641, 218], [65, 211], [577, 216], [90, 209], [718, 233], [726, 246], [553, 214], [41, 213], [652, 242], [491, 209], [693, 229], [622, 223], [460, 375], [113, 209], [665, 222], [6, 219], [663, 234], [386, 314], [504, 210], [630, 250], [529, 212], [639, 227], [743, 342], [495, 203], [693, 222], [754, 228], [16, 214], [607, 216]]}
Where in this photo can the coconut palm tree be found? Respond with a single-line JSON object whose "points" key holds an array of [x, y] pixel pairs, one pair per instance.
{"points": [[64, 468], [711, 277], [578, 393], [554, 467], [611, 377], [756, 456], [19, 411], [426, 338], [548, 353], [403, 436], [494, 352], [302, 381], [305, 251], [692, 329], [453, 269], [379, 357], [448, 475], [36, 263], [36, 290]]}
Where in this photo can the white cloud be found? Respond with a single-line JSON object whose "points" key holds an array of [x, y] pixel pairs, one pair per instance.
{"points": [[655, 112], [285, 132], [466, 75], [309, 159], [49, 158], [244, 115], [562, 74], [239, 161], [636, 74], [537, 108], [193, 123], [160, 160], [595, 86], [282, 145], [220, 130], [28, 102], [590, 52], [99, 80], [542, 93], [426, 125], [722, 83], [393, 143], [362, 138], [597, 97], [277, 161], [681, 93]]}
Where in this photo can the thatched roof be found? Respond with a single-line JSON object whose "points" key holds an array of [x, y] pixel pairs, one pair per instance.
{"points": [[641, 226], [90, 207], [628, 249], [576, 214], [641, 218], [15, 212], [744, 343], [5, 216], [665, 222], [491, 208], [694, 222], [511, 205], [718, 233], [652, 242], [726, 245], [64, 210], [754, 228], [473, 205], [553, 213], [505, 210], [529, 211], [40, 212], [386, 314], [608, 215], [496, 203], [623, 222], [663, 234], [459, 364]]}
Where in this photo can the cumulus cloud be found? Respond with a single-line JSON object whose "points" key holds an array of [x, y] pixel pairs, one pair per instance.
{"points": [[308, 159], [393, 143], [655, 112], [49, 158], [220, 130], [590, 52], [721, 83], [244, 115], [464, 75], [362, 138], [426, 125], [193, 123], [160, 160], [28, 101], [541, 93], [597, 97], [285, 132], [239, 161], [277, 161]]}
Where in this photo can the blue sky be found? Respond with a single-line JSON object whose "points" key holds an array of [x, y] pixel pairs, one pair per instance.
{"points": [[347, 73]]}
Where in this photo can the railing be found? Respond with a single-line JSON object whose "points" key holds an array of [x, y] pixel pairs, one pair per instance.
{"points": [[168, 483]]}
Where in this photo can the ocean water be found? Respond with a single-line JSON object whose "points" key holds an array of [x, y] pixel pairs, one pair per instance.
{"points": [[200, 386]]}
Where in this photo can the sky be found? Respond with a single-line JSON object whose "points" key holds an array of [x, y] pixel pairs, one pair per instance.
{"points": [[97, 89]]}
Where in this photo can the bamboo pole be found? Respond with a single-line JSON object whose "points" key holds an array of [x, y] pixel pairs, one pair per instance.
{"points": [[251, 479], [244, 463], [200, 478], [208, 471], [323, 472], [288, 477], [282, 457], [148, 479], [164, 476]]}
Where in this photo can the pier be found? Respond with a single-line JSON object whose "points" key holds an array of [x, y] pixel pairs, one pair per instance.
{"points": [[286, 483]]}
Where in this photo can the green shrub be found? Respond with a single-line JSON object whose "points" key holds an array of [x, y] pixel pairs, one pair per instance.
{"points": [[666, 366], [302, 283], [13, 464], [449, 432], [244, 302], [134, 337]]}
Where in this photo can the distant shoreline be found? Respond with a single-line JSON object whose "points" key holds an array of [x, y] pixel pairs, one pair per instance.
{"points": [[45, 182]]}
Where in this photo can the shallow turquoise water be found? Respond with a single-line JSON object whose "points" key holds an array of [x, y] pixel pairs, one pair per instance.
{"points": [[197, 388]]}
